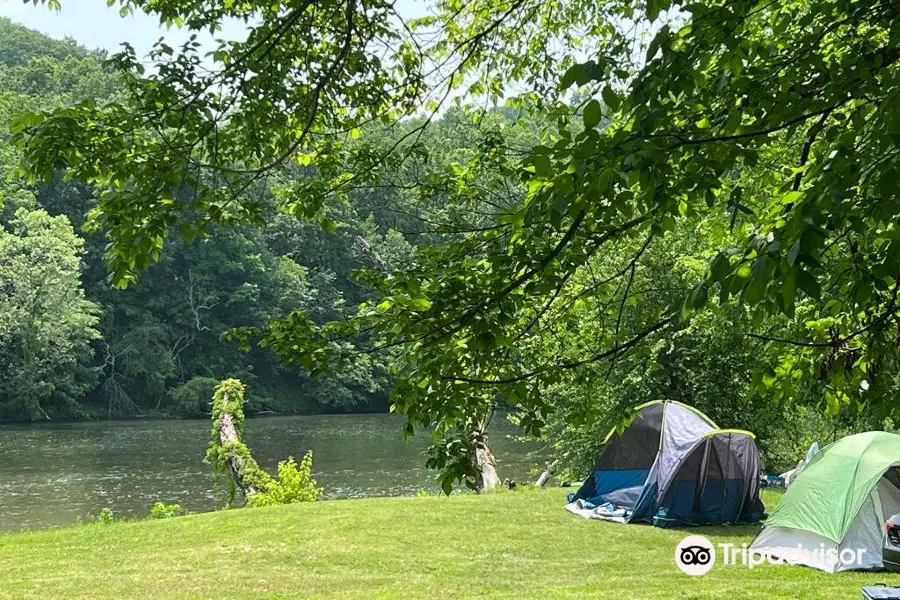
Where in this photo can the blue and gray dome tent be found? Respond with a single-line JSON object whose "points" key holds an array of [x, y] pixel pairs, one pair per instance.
{"points": [[673, 467]]}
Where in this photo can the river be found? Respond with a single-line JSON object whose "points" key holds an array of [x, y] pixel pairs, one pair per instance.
{"points": [[59, 474]]}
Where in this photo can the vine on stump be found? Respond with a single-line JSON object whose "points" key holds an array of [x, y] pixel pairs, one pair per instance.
{"points": [[228, 454]]}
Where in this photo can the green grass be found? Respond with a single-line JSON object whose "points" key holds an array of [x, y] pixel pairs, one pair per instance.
{"points": [[505, 545]]}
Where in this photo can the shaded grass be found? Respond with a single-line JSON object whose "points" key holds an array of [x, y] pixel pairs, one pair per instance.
{"points": [[504, 545]]}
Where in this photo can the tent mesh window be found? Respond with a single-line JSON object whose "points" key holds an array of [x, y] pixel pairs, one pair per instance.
{"points": [[893, 476], [637, 447]]}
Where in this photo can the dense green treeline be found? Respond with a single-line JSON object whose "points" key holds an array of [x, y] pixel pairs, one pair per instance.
{"points": [[157, 347], [72, 346]]}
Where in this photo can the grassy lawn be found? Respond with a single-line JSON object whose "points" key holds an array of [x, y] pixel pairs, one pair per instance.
{"points": [[505, 545]]}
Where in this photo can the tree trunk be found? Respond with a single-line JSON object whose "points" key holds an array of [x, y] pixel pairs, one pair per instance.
{"points": [[488, 478], [228, 433], [485, 461], [547, 474]]}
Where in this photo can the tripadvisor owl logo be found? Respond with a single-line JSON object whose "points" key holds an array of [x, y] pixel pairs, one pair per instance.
{"points": [[695, 555]]}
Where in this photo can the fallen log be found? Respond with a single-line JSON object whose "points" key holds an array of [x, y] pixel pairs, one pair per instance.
{"points": [[227, 452], [228, 437], [547, 474]]}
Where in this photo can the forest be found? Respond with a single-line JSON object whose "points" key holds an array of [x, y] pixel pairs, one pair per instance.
{"points": [[73, 346], [558, 209]]}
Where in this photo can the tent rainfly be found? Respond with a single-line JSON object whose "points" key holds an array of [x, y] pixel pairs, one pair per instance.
{"points": [[673, 467], [789, 476], [832, 517]]}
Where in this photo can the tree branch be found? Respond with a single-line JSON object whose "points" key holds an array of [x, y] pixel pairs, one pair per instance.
{"points": [[804, 154], [618, 349]]}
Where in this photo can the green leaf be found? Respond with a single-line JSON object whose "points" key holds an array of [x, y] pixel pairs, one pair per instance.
{"points": [[756, 288], [420, 304], [754, 291], [610, 98], [542, 165], [720, 267], [696, 300], [791, 197], [662, 36], [793, 252], [654, 7], [725, 289], [698, 297], [789, 291], [809, 284], [576, 74], [592, 114]]}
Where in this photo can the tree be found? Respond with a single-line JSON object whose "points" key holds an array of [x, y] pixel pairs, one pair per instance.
{"points": [[706, 363], [161, 339], [771, 123], [46, 323]]}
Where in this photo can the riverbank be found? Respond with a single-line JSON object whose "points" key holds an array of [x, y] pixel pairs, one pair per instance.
{"points": [[518, 544]]}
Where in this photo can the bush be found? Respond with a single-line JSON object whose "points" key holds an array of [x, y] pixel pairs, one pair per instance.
{"points": [[161, 510], [106, 516], [294, 484], [193, 396]]}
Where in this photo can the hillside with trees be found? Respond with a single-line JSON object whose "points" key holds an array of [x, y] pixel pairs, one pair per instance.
{"points": [[72, 345]]}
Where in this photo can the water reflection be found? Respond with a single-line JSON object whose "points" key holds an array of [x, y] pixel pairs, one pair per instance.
{"points": [[61, 474]]}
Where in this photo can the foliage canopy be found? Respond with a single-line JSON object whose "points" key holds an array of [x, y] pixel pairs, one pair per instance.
{"points": [[768, 129], [156, 349]]}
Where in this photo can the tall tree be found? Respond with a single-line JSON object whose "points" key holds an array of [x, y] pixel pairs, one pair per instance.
{"points": [[161, 343], [46, 323]]}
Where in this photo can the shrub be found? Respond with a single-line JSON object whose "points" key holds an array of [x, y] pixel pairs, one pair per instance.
{"points": [[161, 510], [106, 516], [193, 396], [295, 483]]}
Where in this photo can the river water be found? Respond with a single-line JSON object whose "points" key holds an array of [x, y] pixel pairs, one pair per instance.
{"points": [[59, 474]]}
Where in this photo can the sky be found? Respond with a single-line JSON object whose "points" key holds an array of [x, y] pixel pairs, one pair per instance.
{"points": [[96, 25]]}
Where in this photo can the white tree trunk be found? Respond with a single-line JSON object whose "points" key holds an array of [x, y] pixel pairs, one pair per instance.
{"points": [[488, 478], [547, 474], [228, 433], [485, 461]]}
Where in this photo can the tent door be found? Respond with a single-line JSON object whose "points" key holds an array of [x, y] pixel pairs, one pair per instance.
{"points": [[700, 483]]}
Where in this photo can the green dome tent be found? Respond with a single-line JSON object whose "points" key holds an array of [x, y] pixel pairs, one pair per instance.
{"points": [[838, 504]]}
